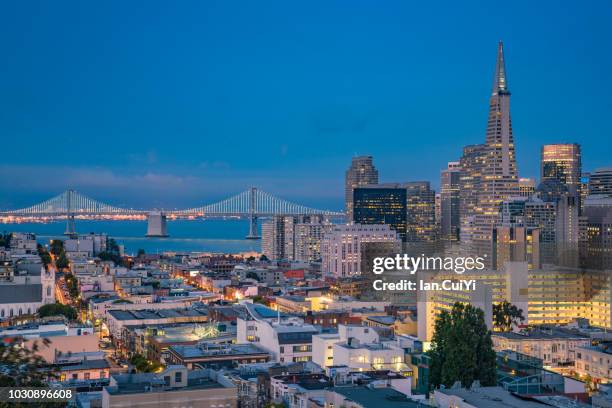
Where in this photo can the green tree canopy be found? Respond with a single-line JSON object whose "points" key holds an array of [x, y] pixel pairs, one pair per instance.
{"points": [[62, 262], [461, 348], [57, 247], [44, 255], [56, 309], [506, 315]]}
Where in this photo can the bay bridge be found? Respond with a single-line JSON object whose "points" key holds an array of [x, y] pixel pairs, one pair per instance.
{"points": [[252, 204]]}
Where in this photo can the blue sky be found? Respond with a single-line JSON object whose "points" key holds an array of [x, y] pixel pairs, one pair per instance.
{"points": [[173, 104]]}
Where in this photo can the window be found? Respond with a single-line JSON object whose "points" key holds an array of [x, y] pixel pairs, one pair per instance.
{"points": [[86, 376], [178, 376]]}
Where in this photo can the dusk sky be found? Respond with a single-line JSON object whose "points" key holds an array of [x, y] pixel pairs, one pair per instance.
{"points": [[178, 104]]}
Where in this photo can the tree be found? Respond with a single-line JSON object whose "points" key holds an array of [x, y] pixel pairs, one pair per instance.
{"points": [[62, 262], [56, 309], [259, 299], [72, 284], [143, 365], [506, 315], [57, 247], [5, 239], [461, 348], [263, 258], [141, 253], [112, 253], [23, 367], [45, 257]]}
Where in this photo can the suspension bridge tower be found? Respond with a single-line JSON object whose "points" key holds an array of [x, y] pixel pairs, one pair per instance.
{"points": [[70, 227], [253, 233]]}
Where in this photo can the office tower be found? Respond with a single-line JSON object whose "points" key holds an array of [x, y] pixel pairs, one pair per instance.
{"points": [[600, 181], [438, 213], [584, 189], [532, 213], [596, 240], [567, 230], [361, 172], [526, 187], [562, 163], [499, 179], [450, 202], [421, 218], [472, 163], [381, 204], [516, 244], [341, 247]]}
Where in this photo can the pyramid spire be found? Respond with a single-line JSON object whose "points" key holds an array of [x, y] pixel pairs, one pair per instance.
{"points": [[500, 84]]}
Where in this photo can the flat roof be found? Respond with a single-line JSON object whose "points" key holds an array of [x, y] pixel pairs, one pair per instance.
{"points": [[490, 397], [376, 397]]}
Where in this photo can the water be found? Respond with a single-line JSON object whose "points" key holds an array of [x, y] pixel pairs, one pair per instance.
{"points": [[211, 235]]}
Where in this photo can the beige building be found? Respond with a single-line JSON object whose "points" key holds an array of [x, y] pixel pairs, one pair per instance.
{"points": [[175, 387], [554, 346], [596, 362]]}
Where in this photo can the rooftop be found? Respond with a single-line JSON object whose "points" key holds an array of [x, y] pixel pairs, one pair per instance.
{"points": [[543, 334], [375, 397], [150, 382], [155, 314], [210, 350], [490, 397]]}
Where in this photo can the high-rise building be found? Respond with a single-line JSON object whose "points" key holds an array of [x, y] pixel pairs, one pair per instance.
{"points": [[421, 209], [600, 181], [527, 187], [307, 238], [293, 238], [562, 163], [341, 250], [273, 238], [450, 201], [516, 244], [567, 230], [472, 163], [596, 251], [499, 179], [381, 204], [361, 172]]}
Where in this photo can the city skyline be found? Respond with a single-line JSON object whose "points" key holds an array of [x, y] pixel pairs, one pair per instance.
{"points": [[396, 96]]}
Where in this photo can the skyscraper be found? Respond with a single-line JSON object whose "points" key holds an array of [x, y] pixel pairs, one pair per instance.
{"points": [[449, 201], [361, 172], [562, 163], [381, 204], [499, 179], [600, 182], [472, 163], [421, 212]]}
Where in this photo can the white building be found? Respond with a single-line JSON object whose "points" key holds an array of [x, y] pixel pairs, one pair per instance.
{"points": [[287, 339], [24, 291], [23, 243], [358, 348], [341, 247], [554, 346]]}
